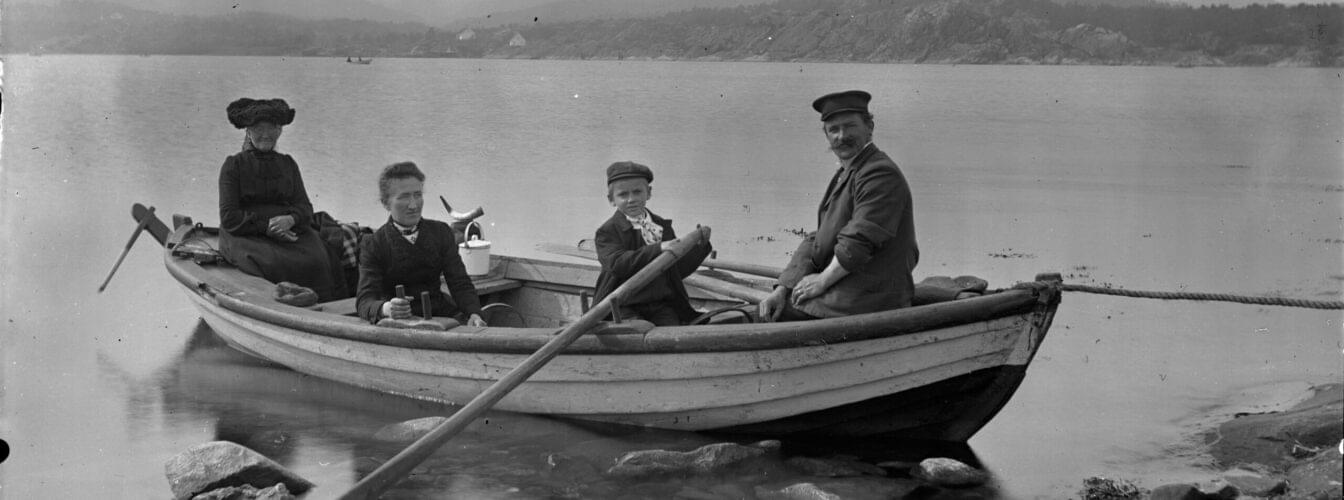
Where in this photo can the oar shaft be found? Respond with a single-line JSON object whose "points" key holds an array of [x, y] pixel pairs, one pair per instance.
{"points": [[761, 270], [734, 290], [400, 465], [585, 250], [139, 228]]}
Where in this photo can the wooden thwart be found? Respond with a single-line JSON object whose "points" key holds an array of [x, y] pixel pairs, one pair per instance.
{"points": [[734, 290], [748, 268], [387, 475]]}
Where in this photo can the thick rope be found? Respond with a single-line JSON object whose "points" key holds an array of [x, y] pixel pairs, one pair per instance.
{"points": [[1222, 297]]}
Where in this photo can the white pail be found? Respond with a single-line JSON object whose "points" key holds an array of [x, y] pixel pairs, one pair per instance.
{"points": [[476, 256]]}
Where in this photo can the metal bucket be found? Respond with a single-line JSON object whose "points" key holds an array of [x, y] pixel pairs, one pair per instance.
{"points": [[475, 251]]}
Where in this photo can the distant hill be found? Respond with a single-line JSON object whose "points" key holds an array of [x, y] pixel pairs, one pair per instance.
{"points": [[905, 31], [372, 10], [506, 12], [440, 13]]}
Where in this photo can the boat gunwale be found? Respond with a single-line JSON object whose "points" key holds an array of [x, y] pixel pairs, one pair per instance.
{"points": [[235, 297], [687, 339]]}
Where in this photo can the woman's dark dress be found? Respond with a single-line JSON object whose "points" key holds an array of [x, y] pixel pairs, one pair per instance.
{"points": [[253, 187], [387, 259]]}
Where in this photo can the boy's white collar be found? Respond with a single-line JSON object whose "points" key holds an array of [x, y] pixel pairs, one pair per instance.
{"points": [[644, 216]]}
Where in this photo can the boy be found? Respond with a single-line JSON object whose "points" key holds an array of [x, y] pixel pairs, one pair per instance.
{"points": [[634, 237]]}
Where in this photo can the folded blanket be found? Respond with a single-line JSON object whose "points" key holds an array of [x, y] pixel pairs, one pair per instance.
{"points": [[942, 288]]}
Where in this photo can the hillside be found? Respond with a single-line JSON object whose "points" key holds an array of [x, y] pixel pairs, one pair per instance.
{"points": [[879, 31]]}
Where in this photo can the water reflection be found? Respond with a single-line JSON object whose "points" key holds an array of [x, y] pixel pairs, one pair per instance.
{"points": [[324, 431]]}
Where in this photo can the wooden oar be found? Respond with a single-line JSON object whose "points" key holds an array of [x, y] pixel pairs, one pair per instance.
{"points": [[761, 270], [139, 228], [393, 470], [734, 290]]}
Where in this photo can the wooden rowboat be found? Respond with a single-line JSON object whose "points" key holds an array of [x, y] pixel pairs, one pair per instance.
{"points": [[938, 371]]}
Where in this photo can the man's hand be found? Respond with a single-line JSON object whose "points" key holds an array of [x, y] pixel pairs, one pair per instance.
{"points": [[813, 285], [810, 287], [774, 304], [397, 308], [475, 320]]}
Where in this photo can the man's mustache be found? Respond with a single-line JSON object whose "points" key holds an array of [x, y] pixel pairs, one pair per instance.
{"points": [[845, 142]]}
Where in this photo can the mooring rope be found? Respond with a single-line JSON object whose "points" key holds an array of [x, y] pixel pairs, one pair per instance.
{"points": [[1222, 297]]}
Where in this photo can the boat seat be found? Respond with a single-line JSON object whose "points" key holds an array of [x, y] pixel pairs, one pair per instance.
{"points": [[484, 286], [629, 326], [344, 307]]}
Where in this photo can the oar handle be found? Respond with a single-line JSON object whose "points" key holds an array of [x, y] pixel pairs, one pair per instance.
{"points": [[393, 470]]}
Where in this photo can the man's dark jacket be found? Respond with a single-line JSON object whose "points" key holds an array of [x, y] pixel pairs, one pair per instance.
{"points": [[866, 220]]}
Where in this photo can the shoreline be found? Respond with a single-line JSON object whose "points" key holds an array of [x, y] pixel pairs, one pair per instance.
{"points": [[1287, 442]]}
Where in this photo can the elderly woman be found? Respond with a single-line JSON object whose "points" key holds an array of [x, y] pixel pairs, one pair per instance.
{"points": [[415, 252], [264, 212]]}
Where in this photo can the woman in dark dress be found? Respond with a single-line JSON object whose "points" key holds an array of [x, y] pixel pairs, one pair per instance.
{"points": [[413, 251], [264, 212]]}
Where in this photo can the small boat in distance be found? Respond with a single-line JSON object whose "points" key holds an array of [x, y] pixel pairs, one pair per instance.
{"points": [[938, 371], [360, 60]]}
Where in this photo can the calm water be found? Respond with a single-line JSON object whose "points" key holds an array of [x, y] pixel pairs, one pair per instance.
{"points": [[1223, 180]]}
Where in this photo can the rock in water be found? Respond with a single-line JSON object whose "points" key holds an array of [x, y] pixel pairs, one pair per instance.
{"points": [[1319, 476], [247, 492], [706, 459], [220, 464], [1254, 484], [948, 472], [800, 491], [409, 430], [1100, 488], [1177, 492]]}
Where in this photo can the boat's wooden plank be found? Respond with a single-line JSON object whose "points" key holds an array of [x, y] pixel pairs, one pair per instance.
{"points": [[253, 296], [997, 336], [712, 401], [494, 284], [345, 307], [580, 276]]}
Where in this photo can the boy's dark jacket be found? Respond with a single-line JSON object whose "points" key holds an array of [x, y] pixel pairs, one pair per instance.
{"points": [[622, 251]]}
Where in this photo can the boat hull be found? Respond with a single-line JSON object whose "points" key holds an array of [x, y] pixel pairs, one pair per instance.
{"points": [[940, 384], [939, 371]]}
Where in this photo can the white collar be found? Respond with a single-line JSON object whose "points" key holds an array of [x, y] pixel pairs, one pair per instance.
{"points": [[641, 218]]}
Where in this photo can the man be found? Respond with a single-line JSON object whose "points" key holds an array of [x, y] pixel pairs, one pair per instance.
{"points": [[861, 257]]}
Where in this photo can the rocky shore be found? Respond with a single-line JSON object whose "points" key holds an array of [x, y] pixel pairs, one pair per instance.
{"points": [[1282, 451], [1291, 453]]}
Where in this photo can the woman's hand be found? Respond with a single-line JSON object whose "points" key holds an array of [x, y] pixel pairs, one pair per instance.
{"points": [[397, 308], [280, 223], [279, 227], [475, 320]]}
